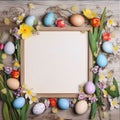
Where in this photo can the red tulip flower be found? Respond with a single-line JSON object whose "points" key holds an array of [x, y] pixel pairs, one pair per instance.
{"points": [[53, 102], [15, 74], [106, 36], [60, 23], [95, 22]]}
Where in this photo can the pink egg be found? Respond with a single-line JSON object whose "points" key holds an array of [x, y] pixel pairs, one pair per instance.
{"points": [[90, 87]]}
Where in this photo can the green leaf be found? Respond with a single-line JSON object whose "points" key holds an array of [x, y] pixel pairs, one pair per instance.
{"points": [[92, 42], [24, 111], [93, 111], [113, 93], [116, 86], [101, 23], [98, 91], [5, 111]]}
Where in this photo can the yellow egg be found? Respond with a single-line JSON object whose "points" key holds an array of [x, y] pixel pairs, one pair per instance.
{"points": [[77, 20], [81, 107], [13, 83]]}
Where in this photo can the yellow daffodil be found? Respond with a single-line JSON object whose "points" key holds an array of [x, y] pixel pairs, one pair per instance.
{"points": [[111, 22], [112, 88], [1, 66], [74, 8], [4, 56], [89, 14], [25, 31], [114, 103]]}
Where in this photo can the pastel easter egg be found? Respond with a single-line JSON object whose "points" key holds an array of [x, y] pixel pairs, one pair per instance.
{"points": [[30, 20], [81, 107], [107, 47], [38, 108], [13, 83], [77, 20], [9, 48], [49, 19], [19, 102], [63, 104], [102, 60], [90, 87]]}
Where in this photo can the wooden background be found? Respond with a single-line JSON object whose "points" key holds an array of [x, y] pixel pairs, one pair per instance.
{"points": [[40, 9]]}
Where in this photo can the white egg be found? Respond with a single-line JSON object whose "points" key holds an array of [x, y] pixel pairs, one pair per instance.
{"points": [[9, 48], [81, 107], [38, 108], [107, 47]]}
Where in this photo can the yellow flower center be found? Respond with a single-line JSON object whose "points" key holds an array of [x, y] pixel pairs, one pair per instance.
{"points": [[29, 92], [115, 48], [33, 98], [114, 102], [110, 22], [16, 64], [112, 88], [20, 17], [105, 92]]}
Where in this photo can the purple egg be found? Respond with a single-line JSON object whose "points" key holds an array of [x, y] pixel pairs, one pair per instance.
{"points": [[89, 87]]}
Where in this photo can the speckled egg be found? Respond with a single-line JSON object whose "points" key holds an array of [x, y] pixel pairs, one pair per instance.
{"points": [[38, 108], [107, 47], [81, 107], [77, 20], [13, 83], [90, 87], [30, 20], [9, 48], [63, 104], [102, 60], [49, 19], [19, 102]]}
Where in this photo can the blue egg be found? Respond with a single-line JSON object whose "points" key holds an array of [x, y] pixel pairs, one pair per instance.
{"points": [[49, 19], [107, 47], [19, 102], [63, 104], [30, 20], [102, 60]]}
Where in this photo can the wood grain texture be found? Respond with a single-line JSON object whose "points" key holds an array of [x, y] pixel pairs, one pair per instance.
{"points": [[40, 8]]}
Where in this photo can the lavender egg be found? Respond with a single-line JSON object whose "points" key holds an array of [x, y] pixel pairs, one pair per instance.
{"points": [[90, 87]]}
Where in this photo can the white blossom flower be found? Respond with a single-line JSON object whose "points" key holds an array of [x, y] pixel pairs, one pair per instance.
{"points": [[111, 23], [113, 103], [19, 18]]}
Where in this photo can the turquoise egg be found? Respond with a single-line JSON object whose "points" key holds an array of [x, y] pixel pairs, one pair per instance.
{"points": [[49, 19], [19, 102], [63, 104], [30, 20], [102, 60], [107, 47]]}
